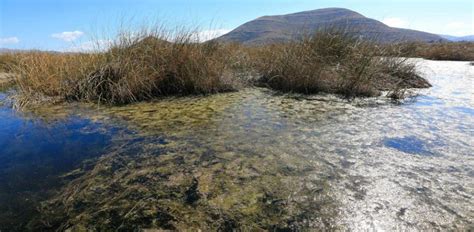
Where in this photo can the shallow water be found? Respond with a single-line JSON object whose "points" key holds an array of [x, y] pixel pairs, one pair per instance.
{"points": [[252, 159]]}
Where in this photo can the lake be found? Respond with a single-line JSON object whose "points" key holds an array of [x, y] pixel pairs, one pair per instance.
{"points": [[253, 159]]}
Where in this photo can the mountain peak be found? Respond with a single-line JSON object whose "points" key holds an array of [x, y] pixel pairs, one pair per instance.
{"points": [[332, 10], [284, 28]]}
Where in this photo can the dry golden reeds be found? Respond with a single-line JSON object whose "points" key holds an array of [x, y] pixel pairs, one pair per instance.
{"points": [[333, 62], [150, 64]]}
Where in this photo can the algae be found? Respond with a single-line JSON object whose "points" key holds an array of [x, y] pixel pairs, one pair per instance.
{"points": [[202, 163], [165, 187]]}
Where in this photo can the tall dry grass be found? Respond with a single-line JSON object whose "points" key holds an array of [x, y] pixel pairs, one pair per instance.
{"points": [[136, 67], [42, 75], [333, 62], [7, 61], [455, 51], [151, 64]]}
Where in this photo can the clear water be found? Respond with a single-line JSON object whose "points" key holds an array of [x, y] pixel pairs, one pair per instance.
{"points": [[259, 158]]}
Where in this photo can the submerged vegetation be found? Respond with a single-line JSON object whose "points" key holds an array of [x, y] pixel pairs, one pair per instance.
{"points": [[151, 64], [195, 169], [198, 189]]}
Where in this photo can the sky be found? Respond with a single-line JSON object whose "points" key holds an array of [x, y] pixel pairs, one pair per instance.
{"points": [[67, 25]]}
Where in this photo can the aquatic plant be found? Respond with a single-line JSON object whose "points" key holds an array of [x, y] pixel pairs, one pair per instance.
{"points": [[7, 61], [455, 51], [188, 189], [6, 81], [334, 62], [136, 66]]}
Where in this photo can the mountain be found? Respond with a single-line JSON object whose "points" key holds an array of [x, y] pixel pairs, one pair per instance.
{"points": [[284, 28], [469, 38], [8, 50]]}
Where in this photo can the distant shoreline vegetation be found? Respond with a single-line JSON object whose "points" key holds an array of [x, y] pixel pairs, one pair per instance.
{"points": [[450, 51], [151, 64]]}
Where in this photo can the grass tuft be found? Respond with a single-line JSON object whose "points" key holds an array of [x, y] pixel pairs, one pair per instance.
{"points": [[134, 68], [334, 62], [455, 51]]}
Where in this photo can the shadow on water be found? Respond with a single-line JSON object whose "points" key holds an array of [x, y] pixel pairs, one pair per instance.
{"points": [[410, 145]]}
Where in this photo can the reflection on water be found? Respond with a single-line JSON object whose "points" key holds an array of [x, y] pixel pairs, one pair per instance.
{"points": [[255, 159], [34, 152]]}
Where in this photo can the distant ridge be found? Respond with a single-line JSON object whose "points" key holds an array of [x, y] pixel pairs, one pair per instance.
{"points": [[8, 50], [284, 28], [469, 38]]}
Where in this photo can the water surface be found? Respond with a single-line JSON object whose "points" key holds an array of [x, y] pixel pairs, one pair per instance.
{"points": [[251, 159]]}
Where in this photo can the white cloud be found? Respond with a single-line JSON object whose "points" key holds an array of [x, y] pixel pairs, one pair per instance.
{"points": [[209, 34], [90, 46], [396, 22], [458, 28], [456, 25], [9, 40], [454, 28], [68, 36]]}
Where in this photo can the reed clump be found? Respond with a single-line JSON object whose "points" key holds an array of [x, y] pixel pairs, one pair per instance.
{"points": [[7, 61], [454, 51], [334, 62], [134, 68]]}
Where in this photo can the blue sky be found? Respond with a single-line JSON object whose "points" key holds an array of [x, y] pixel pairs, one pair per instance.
{"points": [[66, 24]]}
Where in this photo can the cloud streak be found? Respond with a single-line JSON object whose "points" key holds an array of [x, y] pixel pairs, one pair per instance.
{"points": [[68, 36], [9, 40], [396, 22]]}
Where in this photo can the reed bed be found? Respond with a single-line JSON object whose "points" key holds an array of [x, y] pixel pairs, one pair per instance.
{"points": [[151, 64], [334, 62], [134, 68], [454, 51]]}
